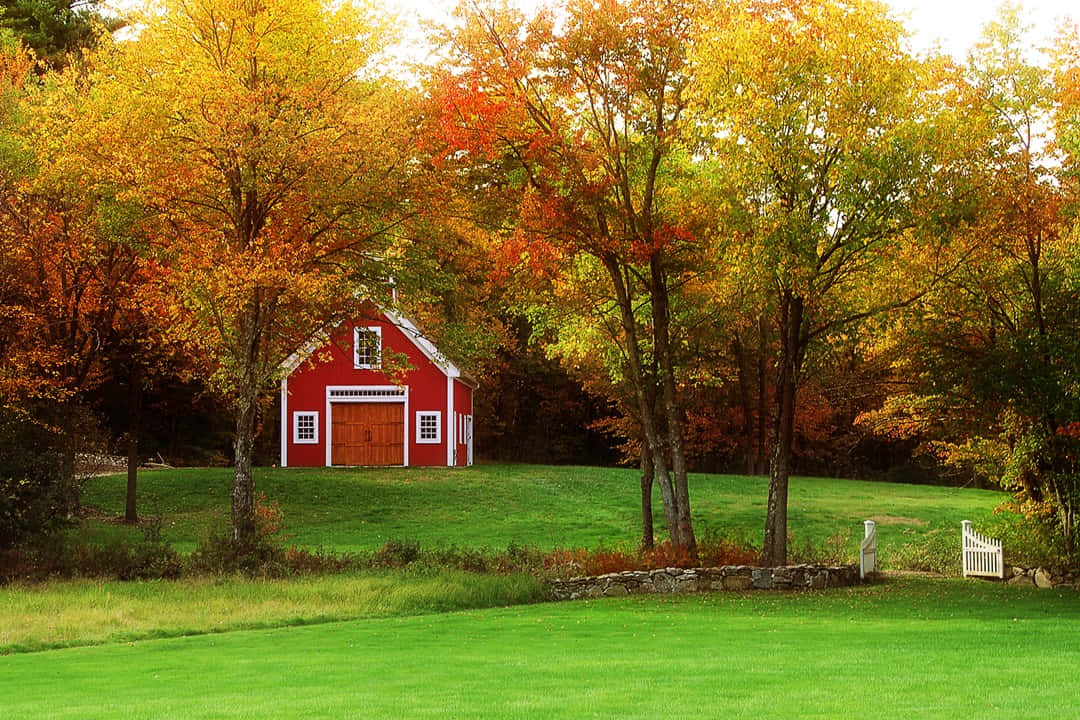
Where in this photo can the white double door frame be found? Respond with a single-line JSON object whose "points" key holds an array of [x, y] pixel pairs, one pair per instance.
{"points": [[336, 394]]}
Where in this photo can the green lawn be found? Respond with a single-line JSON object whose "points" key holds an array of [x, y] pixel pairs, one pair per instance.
{"points": [[496, 505], [903, 649], [425, 644]]}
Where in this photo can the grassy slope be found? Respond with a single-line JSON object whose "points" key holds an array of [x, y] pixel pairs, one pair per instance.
{"points": [[78, 613], [940, 649], [495, 505]]}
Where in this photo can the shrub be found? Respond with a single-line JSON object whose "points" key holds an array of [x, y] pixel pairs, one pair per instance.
{"points": [[1031, 540], [300, 561], [73, 554], [835, 550], [264, 556], [32, 482], [934, 551], [713, 550], [396, 554]]}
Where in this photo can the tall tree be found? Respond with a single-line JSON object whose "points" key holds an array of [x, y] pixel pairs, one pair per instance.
{"points": [[990, 358], [54, 29], [813, 113], [572, 118], [271, 156], [69, 270]]}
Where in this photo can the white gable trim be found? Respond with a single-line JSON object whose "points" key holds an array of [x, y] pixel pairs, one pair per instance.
{"points": [[409, 330], [305, 351]]}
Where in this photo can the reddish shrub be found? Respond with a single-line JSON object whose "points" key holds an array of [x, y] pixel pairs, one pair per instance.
{"points": [[712, 551]]}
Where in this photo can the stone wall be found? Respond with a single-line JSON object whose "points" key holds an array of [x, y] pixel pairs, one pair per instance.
{"points": [[1040, 577], [688, 580]]}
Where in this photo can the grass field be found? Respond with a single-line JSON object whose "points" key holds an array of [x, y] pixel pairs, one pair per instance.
{"points": [[426, 643], [904, 649], [543, 506]]}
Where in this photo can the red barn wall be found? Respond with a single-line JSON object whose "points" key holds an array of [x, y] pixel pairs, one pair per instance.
{"points": [[333, 365]]}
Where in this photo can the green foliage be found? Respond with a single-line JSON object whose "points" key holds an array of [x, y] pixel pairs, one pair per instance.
{"points": [[53, 28], [32, 482], [1031, 540]]}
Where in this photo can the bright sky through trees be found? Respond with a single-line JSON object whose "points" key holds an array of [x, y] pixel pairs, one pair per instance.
{"points": [[954, 25]]}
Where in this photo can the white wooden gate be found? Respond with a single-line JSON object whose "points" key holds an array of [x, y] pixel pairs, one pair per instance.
{"points": [[868, 550], [982, 555]]}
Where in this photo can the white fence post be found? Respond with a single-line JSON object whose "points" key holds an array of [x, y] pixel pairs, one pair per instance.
{"points": [[868, 550], [982, 555]]}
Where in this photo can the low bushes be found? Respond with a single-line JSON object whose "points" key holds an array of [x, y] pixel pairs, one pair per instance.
{"points": [[69, 555], [75, 554]]}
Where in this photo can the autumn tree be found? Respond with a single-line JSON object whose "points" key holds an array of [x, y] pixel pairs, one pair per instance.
{"points": [[269, 156], [812, 112], [69, 271], [571, 119], [990, 357]]}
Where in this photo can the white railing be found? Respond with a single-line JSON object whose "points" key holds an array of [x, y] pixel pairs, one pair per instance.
{"points": [[982, 555], [868, 550]]}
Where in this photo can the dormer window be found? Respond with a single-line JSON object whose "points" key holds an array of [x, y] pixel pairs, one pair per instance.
{"points": [[367, 348]]}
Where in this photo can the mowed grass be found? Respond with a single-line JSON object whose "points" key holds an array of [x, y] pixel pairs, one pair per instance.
{"points": [[543, 506], [907, 649]]}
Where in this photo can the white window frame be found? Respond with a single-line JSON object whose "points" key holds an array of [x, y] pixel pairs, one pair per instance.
{"points": [[421, 415], [314, 415], [377, 332]]}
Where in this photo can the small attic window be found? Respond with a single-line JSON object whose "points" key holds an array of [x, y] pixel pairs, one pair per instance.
{"points": [[367, 348]]}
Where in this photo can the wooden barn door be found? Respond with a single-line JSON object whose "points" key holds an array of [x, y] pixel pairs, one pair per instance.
{"points": [[367, 434]]}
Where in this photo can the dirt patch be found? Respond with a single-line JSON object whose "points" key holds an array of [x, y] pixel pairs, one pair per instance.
{"points": [[897, 520]]}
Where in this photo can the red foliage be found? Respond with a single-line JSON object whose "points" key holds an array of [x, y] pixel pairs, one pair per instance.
{"points": [[269, 519], [1072, 430]]}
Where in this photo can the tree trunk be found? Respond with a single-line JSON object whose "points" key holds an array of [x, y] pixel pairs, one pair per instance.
{"points": [[760, 456], [646, 497], [684, 538], [135, 394], [243, 492], [69, 491], [653, 444], [745, 403], [774, 552]]}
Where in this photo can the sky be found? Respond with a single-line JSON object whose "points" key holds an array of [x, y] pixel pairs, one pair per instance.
{"points": [[957, 24], [953, 25]]}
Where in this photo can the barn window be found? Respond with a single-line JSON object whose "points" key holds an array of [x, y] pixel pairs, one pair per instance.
{"points": [[367, 348], [428, 427], [305, 427]]}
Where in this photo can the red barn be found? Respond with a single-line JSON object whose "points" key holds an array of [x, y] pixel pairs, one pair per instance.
{"points": [[338, 407]]}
